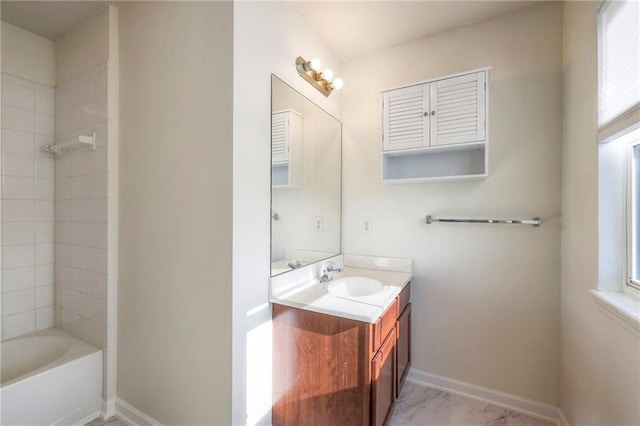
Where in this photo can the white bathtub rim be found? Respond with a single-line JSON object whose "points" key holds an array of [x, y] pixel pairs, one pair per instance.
{"points": [[79, 349]]}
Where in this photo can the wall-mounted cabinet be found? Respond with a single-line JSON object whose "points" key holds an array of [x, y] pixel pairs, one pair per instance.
{"points": [[436, 130], [287, 149]]}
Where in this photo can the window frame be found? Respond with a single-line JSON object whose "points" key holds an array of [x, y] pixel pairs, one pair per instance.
{"points": [[632, 283]]}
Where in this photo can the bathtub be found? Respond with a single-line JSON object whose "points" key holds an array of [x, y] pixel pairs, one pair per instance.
{"points": [[49, 378]]}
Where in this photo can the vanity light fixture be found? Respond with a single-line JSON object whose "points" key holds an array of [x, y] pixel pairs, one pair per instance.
{"points": [[322, 81]]}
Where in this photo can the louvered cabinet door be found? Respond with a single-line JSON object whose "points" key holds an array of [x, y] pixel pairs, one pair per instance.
{"points": [[279, 137], [458, 110], [405, 119]]}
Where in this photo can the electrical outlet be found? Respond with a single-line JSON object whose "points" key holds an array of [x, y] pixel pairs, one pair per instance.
{"points": [[318, 224], [366, 225]]}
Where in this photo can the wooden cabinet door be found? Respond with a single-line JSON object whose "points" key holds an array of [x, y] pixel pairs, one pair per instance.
{"points": [[403, 347], [383, 381]]}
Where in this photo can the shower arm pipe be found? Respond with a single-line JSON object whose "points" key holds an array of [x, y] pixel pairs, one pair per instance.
{"points": [[81, 140]]}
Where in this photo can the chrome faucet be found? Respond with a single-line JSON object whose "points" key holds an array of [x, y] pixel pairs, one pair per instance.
{"points": [[295, 264], [327, 273]]}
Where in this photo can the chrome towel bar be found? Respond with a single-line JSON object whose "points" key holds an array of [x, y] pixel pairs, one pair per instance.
{"points": [[535, 221]]}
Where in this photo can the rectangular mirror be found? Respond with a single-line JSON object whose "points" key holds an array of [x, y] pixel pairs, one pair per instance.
{"points": [[306, 180]]}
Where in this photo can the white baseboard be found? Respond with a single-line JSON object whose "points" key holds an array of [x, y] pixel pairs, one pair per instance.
{"points": [[529, 407], [108, 408], [132, 416], [84, 421]]}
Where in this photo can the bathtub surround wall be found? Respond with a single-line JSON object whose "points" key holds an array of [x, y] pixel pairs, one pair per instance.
{"points": [[267, 38], [600, 369], [485, 297], [174, 310], [27, 182], [82, 189], [27, 214]]}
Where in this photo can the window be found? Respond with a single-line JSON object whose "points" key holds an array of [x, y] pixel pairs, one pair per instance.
{"points": [[619, 152]]}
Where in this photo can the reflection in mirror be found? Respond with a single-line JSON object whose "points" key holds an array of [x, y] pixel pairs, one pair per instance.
{"points": [[306, 180]]}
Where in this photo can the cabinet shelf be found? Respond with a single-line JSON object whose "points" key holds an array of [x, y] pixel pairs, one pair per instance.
{"points": [[436, 130]]}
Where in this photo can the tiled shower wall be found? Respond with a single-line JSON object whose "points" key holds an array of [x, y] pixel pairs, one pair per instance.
{"points": [[81, 209], [27, 207]]}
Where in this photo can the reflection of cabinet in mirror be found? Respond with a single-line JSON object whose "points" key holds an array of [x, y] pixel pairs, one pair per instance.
{"points": [[287, 146]]}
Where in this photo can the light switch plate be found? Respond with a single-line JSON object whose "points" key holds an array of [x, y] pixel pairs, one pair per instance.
{"points": [[366, 225], [318, 224]]}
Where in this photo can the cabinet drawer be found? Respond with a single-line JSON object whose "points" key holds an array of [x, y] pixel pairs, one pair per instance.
{"points": [[404, 298], [385, 324]]}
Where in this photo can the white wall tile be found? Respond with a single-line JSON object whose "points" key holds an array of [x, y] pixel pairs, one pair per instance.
{"points": [[18, 119], [94, 333], [74, 282], [45, 232], [44, 318], [45, 124], [16, 325], [14, 233], [70, 322], [9, 79], [63, 232], [94, 284], [15, 302], [17, 142], [18, 256], [63, 212], [70, 299], [62, 256], [44, 275], [18, 210], [93, 308], [44, 254], [45, 100], [89, 162], [18, 96], [44, 189], [44, 210], [62, 188], [18, 279], [44, 168], [89, 210], [44, 296], [41, 141], [18, 188], [17, 165]]}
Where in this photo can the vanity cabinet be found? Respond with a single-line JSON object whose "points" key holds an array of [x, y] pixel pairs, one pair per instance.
{"points": [[330, 370], [287, 145], [436, 129], [403, 329]]}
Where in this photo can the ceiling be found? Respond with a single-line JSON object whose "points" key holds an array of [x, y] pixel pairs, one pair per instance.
{"points": [[350, 28], [49, 19], [356, 28]]}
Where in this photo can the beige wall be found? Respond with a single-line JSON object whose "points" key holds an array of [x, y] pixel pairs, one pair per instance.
{"points": [[174, 300], [268, 36], [600, 382], [83, 48], [28, 56], [486, 298]]}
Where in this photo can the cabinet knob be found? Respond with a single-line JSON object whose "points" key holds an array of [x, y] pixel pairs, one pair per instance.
{"points": [[433, 113], [426, 114]]}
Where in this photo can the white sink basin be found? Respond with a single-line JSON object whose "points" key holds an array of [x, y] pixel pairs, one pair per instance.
{"points": [[354, 287]]}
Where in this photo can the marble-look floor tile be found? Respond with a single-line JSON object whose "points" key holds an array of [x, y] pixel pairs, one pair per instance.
{"points": [[422, 406], [111, 421]]}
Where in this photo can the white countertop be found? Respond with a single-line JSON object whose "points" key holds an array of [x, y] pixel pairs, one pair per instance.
{"points": [[313, 295]]}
